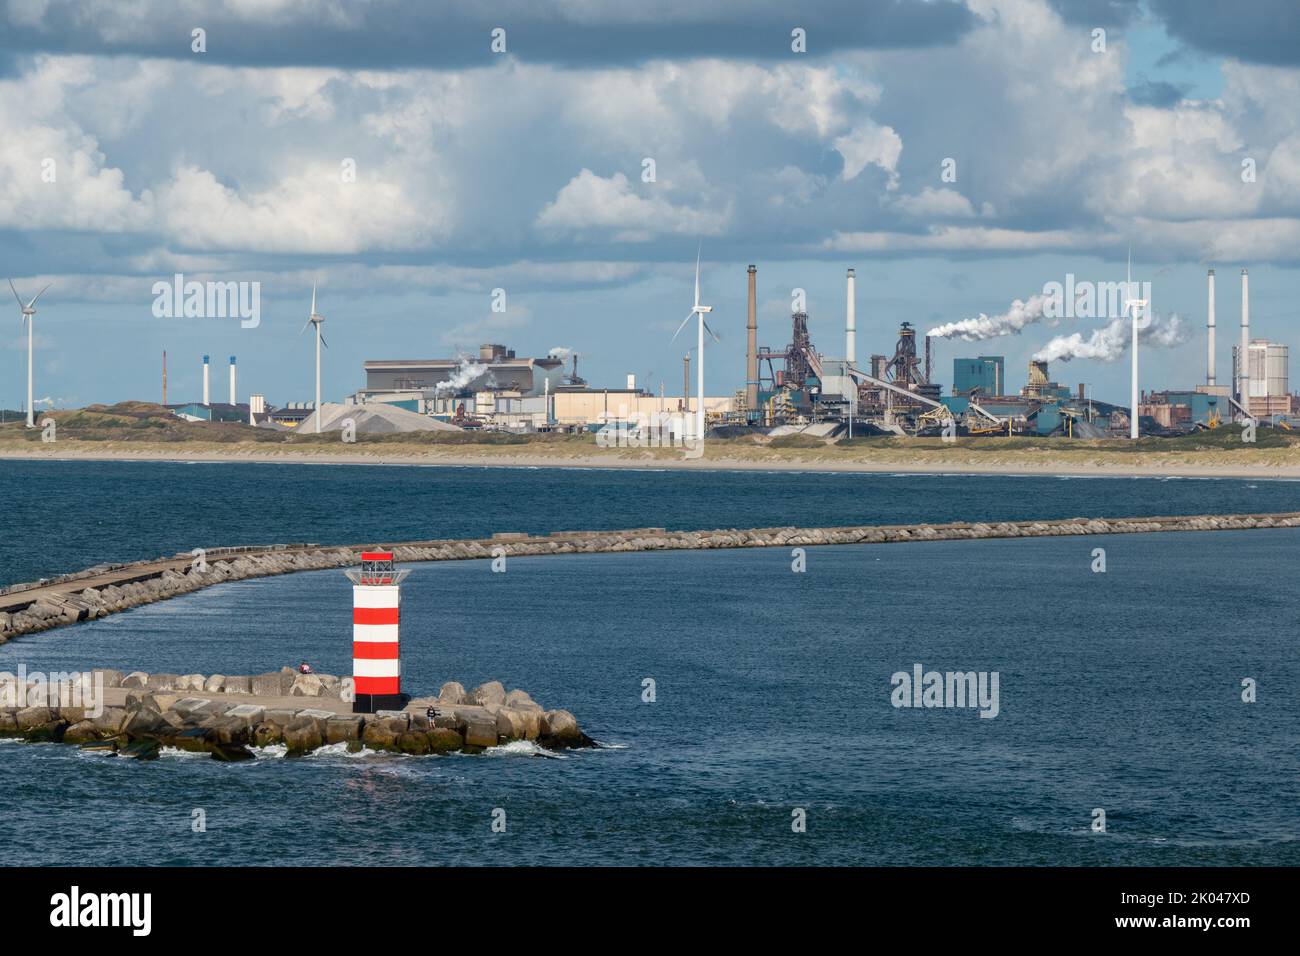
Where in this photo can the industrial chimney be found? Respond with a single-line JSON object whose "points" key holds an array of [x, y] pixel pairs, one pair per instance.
{"points": [[1209, 377], [205, 380], [751, 348], [1243, 355], [850, 326], [233, 399]]}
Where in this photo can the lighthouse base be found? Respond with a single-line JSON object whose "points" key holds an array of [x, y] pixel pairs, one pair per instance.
{"points": [[372, 703]]}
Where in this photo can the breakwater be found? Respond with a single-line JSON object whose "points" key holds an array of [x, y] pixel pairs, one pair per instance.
{"points": [[137, 714], [106, 589]]}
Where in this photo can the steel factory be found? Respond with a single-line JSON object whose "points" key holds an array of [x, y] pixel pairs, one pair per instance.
{"points": [[789, 388]]}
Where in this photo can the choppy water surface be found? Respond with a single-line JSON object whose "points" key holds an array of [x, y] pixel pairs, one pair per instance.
{"points": [[1118, 690]]}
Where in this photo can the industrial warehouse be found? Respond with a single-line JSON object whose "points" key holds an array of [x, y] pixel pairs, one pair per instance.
{"points": [[789, 389]]}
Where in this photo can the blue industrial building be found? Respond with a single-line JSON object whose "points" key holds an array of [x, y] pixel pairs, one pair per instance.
{"points": [[987, 373]]}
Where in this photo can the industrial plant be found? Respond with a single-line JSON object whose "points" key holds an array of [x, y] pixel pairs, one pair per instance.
{"points": [[789, 389]]}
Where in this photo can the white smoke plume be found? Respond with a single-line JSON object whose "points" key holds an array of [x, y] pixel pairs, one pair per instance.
{"points": [[984, 326], [1111, 341], [560, 352], [465, 373]]}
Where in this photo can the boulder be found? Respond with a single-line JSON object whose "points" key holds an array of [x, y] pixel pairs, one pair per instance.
{"points": [[111, 678], [238, 685], [163, 682], [192, 682], [347, 689], [452, 692], [510, 725], [397, 719], [135, 679], [306, 685], [329, 685], [231, 731], [560, 724], [490, 693], [193, 708], [214, 684], [443, 740], [265, 734], [250, 713], [520, 700], [415, 743], [109, 720], [192, 740], [481, 730], [532, 723], [145, 722], [29, 718], [8, 721], [303, 735], [342, 728], [377, 735], [271, 685]]}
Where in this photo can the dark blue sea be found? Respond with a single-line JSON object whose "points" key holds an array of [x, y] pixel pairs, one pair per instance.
{"points": [[1119, 690]]}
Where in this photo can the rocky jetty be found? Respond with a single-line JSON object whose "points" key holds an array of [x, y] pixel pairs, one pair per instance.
{"points": [[27, 608], [229, 717]]}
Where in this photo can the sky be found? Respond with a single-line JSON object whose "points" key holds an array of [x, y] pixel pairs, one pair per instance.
{"points": [[959, 154]]}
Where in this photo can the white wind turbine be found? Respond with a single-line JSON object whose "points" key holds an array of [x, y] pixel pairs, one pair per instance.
{"points": [[699, 311], [1135, 307], [316, 319], [28, 314]]}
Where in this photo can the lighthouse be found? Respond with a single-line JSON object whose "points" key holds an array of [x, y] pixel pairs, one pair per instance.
{"points": [[376, 619]]}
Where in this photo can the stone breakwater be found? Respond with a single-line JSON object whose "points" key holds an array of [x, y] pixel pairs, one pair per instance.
{"points": [[104, 590], [230, 717]]}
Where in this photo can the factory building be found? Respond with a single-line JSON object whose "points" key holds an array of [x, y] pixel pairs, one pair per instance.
{"points": [[414, 382], [1040, 385], [986, 373], [1268, 378]]}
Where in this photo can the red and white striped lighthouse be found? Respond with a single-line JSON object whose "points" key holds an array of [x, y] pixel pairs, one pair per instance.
{"points": [[376, 648]]}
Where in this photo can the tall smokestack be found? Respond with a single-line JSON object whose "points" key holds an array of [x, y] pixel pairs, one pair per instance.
{"points": [[851, 325], [1243, 356], [1209, 328], [164, 377], [686, 385], [751, 349], [233, 400], [205, 380]]}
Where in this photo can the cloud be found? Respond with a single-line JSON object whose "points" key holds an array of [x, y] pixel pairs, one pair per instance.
{"points": [[589, 203], [870, 144], [931, 203], [1263, 31], [417, 34]]}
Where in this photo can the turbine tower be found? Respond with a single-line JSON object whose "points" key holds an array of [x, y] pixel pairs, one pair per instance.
{"points": [[316, 319], [1136, 307], [699, 311], [28, 315]]}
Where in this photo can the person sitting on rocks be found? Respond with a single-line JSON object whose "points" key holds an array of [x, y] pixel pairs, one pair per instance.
{"points": [[304, 668]]}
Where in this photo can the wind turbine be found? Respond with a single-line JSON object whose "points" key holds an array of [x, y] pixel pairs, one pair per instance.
{"points": [[316, 319], [1136, 307], [28, 314], [699, 311]]}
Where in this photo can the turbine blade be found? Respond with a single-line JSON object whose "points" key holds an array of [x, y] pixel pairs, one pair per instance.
{"points": [[712, 333], [698, 250], [38, 295], [682, 326], [304, 326], [313, 296], [15, 292], [323, 342]]}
